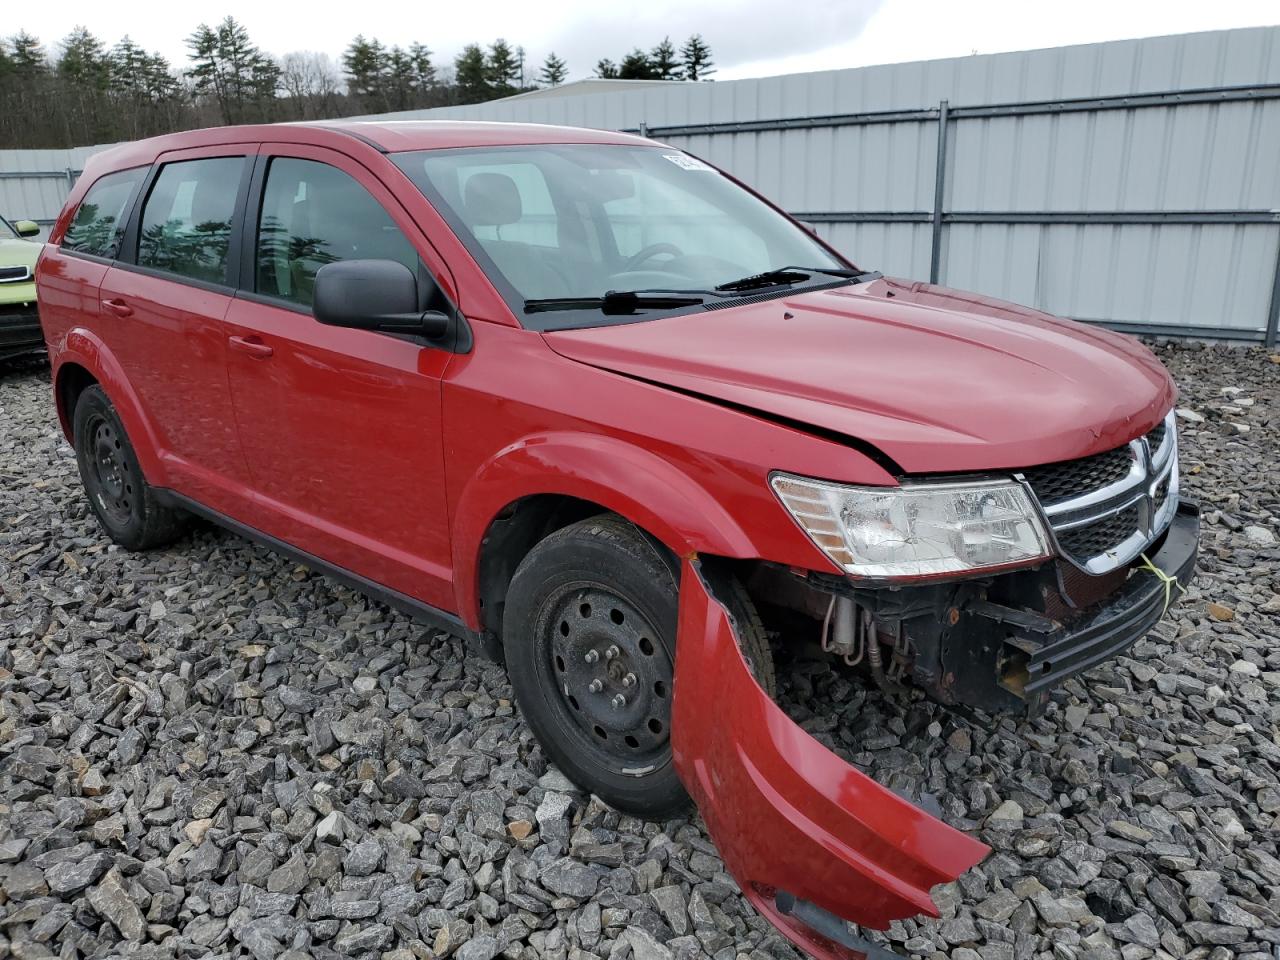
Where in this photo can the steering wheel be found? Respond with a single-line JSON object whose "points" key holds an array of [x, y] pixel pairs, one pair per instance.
{"points": [[648, 253]]}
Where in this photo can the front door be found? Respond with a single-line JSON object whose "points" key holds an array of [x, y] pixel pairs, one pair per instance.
{"points": [[162, 317], [341, 428]]}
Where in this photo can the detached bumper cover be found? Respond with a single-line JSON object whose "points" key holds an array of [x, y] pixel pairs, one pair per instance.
{"points": [[808, 837]]}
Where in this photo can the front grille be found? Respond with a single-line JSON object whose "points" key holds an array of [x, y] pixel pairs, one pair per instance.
{"points": [[1156, 437], [1098, 538], [1056, 482], [1161, 494], [1106, 508], [14, 274]]}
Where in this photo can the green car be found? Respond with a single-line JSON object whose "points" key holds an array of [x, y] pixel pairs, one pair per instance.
{"points": [[19, 323]]}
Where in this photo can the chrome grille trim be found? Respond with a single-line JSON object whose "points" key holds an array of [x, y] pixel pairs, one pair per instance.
{"points": [[15, 274], [1148, 492]]}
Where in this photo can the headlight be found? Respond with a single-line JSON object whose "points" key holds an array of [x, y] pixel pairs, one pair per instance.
{"points": [[916, 530]]}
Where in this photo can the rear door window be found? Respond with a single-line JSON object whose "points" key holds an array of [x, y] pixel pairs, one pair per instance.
{"points": [[99, 222], [186, 220], [313, 214]]}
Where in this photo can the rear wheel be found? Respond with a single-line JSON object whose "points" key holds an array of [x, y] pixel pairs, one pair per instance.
{"points": [[589, 633], [120, 496]]}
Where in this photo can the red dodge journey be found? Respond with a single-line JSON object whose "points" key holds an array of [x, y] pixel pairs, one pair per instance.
{"points": [[594, 404]]}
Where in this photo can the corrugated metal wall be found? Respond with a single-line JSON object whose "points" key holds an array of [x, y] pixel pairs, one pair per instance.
{"points": [[1197, 183], [34, 183]]}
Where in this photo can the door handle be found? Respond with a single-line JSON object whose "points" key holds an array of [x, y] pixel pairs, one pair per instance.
{"points": [[252, 346], [118, 307]]}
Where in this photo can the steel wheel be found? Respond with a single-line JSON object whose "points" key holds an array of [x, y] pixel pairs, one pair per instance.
{"points": [[612, 673], [110, 485]]}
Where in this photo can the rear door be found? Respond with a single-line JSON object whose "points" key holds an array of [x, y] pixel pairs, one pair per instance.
{"points": [[340, 427], [70, 274], [164, 302]]}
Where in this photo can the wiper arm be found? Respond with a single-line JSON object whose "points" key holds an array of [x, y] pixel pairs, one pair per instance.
{"points": [[789, 275], [613, 302]]}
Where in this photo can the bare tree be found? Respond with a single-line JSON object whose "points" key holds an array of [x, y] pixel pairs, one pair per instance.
{"points": [[312, 82]]}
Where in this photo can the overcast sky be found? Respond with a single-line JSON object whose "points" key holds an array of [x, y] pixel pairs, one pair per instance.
{"points": [[747, 37]]}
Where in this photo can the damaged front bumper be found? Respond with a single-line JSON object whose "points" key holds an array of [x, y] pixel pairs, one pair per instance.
{"points": [[811, 840], [1040, 652]]}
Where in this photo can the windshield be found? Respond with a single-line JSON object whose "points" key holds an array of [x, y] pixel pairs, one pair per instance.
{"points": [[7, 230], [561, 222]]}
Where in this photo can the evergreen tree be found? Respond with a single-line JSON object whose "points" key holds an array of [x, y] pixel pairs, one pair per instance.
{"points": [[134, 73], [127, 68], [554, 71], [27, 56], [84, 62], [84, 93], [424, 71], [697, 58], [636, 66], [663, 60], [83, 75], [471, 75], [503, 68], [402, 79], [231, 69], [365, 65]]}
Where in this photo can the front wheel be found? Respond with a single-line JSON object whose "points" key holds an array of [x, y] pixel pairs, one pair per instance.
{"points": [[589, 634]]}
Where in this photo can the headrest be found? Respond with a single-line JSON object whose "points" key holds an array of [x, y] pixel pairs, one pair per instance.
{"points": [[491, 199]]}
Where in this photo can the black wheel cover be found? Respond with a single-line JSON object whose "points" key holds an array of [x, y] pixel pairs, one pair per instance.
{"points": [[608, 674], [110, 479]]}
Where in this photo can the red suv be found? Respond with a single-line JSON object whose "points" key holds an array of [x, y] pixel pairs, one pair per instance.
{"points": [[598, 406]]}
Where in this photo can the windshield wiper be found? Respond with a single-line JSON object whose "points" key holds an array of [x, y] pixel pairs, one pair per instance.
{"points": [[613, 302], [785, 276]]}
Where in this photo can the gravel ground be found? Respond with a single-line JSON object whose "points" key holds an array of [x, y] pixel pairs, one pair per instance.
{"points": [[209, 749]]}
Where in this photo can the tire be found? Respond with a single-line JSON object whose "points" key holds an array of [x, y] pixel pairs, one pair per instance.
{"points": [[597, 602], [123, 501]]}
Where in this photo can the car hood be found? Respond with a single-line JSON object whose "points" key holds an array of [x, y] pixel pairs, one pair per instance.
{"points": [[18, 253], [937, 380]]}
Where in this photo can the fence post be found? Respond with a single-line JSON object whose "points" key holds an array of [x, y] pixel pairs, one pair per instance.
{"points": [[1273, 314], [644, 129], [939, 189]]}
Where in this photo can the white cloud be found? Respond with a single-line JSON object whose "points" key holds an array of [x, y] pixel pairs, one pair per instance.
{"points": [[905, 30]]}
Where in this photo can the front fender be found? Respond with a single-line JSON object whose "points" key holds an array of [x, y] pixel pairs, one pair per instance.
{"points": [[84, 348], [635, 483]]}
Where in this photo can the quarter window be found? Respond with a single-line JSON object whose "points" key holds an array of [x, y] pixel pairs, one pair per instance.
{"points": [[186, 221], [313, 214], [99, 221]]}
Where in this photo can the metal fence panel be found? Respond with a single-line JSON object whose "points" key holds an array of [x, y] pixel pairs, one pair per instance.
{"points": [[1127, 182], [34, 183]]}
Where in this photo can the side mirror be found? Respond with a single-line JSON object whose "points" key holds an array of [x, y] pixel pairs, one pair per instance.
{"points": [[373, 295], [27, 228]]}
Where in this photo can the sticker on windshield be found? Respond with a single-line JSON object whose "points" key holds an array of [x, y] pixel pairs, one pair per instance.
{"points": [[686, 162]]}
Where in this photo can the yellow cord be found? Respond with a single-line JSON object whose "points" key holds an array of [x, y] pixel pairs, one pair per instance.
{"points": [[1170, 583]]}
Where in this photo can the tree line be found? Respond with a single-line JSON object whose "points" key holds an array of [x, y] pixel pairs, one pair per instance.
{"points": [[86, 92]]}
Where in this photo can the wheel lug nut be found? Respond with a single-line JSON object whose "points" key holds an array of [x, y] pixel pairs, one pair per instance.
{"points": [[612, 652], [619, 701], [595, 686], [629, 680], [592, 656]]}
